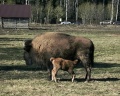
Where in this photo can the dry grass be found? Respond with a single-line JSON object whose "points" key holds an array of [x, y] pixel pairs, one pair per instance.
{"points": [[16, 79]]}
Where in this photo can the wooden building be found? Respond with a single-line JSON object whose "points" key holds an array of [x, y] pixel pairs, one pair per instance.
{"points": [[15, 16]]}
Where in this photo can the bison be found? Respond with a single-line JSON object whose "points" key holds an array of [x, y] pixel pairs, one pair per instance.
{"points": [[66, 65], [51, 44]]}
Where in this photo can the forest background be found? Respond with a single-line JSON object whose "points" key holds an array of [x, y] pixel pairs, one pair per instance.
{"points": [[75, 11]]}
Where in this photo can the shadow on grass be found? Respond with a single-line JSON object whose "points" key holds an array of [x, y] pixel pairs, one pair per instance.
{"points": [[92, 80], [105, 65], [37, 68], [21, 68], [12, 72], [101, 65], [11, 39], [22, 72], [106, 79]]}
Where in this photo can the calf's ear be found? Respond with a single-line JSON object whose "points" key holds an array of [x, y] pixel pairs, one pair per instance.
{"points": [[52, 58], [75, 61]]}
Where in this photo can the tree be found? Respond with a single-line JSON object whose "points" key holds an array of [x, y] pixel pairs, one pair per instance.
{"points": [[117, 10], [76, 10], [103, 9], [10, 1], [3, 1], [90, 11], [37, 10], [48, 11], [58, 12], [66, 10], [112, 12], [87, 13], [100, 13]]}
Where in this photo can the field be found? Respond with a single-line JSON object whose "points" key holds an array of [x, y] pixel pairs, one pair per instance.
{"points": [[17, 79]]}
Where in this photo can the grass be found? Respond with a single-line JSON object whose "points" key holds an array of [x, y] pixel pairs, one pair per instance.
{"points": [[16, 79]]}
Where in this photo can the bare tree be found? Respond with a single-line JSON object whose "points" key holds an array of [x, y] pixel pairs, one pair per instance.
{"points": [[103, 9], [76, 8], [3, 1], [60, 3], [112, 12], [117, 9], [58, 12], [66, 10], [49, 12], [37, 9]]}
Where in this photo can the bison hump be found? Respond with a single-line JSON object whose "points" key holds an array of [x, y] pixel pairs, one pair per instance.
{"points": [[51, 42]]}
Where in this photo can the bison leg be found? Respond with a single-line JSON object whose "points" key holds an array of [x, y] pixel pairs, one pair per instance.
{"points": [[88, 73], [50, 73], [87, 65]]}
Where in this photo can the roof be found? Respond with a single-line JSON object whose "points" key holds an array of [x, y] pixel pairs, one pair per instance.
{"points": [[18, 11]]}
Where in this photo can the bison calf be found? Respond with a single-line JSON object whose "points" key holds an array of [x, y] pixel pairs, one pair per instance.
{"points": [[66, 65]]}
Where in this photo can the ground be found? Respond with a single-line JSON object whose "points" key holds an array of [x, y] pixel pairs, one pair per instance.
{"points": [[20, 80]]}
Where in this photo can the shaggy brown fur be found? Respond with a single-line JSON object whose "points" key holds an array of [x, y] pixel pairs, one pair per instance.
{"points": [[66, 65], [62, 45]]}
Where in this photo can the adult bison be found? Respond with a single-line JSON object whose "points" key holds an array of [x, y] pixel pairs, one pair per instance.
{"points": [[42, 47]]}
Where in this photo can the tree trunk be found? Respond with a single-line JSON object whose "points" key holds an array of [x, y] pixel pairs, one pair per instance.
{"points": [[103, 9], [112, 12], [60, 3], [37, 11], [66, 9], [117, 9], [76, 8]]}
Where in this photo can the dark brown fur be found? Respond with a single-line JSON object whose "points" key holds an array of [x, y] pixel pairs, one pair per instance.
{"points": [[27, 55], [28, 45], [62, 45], [66, 65]]}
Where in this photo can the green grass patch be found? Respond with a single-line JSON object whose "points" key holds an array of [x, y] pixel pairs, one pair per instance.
{"points": [[17, 79]]}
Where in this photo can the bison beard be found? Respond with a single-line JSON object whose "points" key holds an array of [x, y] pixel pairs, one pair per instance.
{"points": [[27, 49], [51, 44]]}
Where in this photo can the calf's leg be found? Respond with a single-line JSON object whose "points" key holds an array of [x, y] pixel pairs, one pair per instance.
{"points": [[54, 75], [54, 72], [70, 71]]}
